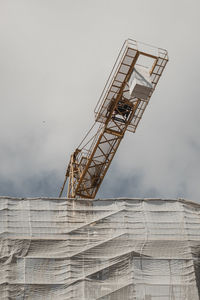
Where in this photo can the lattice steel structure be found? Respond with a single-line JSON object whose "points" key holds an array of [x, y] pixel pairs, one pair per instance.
{"points": [[120, 108]]}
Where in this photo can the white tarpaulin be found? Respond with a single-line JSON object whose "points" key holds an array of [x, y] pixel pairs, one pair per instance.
{"points": [[109, 249], [140, 83]]}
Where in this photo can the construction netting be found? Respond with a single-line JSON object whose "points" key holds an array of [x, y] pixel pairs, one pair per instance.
{"points": [[108, 249]]}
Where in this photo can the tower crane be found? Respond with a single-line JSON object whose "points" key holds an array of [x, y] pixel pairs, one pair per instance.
{"points": [[120, 108]]}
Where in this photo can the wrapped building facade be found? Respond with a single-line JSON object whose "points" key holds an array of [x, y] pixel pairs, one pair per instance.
{"points": [[106, 249]]}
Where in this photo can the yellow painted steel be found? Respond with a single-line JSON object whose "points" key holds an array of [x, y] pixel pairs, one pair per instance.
{"points": [[117, 111]]}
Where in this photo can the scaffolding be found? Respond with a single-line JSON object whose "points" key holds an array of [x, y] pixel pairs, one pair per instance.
{"points": [[105, 249]]}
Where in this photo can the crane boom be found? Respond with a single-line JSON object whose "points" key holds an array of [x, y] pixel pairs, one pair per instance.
{"points": [[128, 90]]}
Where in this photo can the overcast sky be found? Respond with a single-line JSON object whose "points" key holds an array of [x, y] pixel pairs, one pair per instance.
{"points": [[55, 58]]}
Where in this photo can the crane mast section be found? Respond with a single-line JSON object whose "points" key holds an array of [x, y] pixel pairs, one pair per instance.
{"points": [[120, 109]]}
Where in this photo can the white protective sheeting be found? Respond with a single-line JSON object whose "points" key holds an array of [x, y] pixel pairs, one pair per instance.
{"points": [[109, 249]]}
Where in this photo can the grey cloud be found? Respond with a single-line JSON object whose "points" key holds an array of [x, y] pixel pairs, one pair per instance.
{"points": [[55, 59], [40, 185]]}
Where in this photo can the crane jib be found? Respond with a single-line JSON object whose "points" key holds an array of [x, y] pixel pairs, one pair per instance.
{"points": [[120, 108]]}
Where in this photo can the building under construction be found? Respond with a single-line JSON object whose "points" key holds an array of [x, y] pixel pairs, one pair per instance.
{"points": [[108, 249]]}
